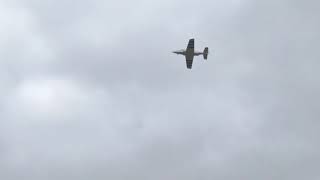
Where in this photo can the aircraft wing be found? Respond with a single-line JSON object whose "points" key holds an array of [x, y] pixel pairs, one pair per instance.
{"points": [[189, 60], [190, 44]]}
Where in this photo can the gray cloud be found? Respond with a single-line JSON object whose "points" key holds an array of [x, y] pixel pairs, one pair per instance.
{"points": [[90, 90]]}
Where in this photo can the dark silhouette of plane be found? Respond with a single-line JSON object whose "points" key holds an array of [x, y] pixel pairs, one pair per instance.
{"points": [[189, 53]]}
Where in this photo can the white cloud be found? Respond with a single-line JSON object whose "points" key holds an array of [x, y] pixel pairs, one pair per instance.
{"points": [[53, 99]]}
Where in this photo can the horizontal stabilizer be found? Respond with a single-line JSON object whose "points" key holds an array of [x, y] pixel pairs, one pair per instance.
{"points": [[205, 53]]}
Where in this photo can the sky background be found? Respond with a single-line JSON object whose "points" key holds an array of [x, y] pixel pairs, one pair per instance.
{"points": [[91, 90]]}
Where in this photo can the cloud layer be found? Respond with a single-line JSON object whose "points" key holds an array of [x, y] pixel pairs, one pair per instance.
{"points": [[91, 90]]}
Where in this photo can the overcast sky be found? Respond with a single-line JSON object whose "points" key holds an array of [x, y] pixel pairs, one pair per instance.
{"points": [[91, 90]]}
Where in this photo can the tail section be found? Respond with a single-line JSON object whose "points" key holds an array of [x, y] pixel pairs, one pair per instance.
{"points": [[205, 53]]}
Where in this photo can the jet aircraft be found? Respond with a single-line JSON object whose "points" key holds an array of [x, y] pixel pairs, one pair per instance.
{"points": [[189, 53]]}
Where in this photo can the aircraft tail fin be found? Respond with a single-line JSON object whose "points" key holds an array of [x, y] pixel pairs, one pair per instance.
{"points": [[205, 53]]}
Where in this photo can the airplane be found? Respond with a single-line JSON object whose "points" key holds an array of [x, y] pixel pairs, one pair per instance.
{"points": [[189, 53]]}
